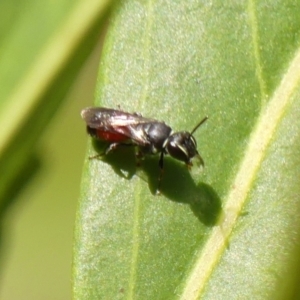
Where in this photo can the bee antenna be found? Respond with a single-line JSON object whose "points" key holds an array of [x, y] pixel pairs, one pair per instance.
{"points": [[199, 124]]}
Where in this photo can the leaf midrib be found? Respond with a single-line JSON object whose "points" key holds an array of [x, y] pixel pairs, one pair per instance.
{"points": [[256, 51]]}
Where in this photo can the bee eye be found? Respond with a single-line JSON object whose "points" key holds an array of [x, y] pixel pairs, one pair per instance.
{"points": [[182, 146], [177, 151]]}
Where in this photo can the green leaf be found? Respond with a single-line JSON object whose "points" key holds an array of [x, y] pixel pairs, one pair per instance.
{"points": [[232, 231]]}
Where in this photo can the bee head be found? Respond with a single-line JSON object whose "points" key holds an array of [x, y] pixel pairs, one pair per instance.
{"points": [[183, 146]]}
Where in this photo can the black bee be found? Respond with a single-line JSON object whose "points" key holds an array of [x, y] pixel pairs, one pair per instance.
{"points": [[150, 136]]}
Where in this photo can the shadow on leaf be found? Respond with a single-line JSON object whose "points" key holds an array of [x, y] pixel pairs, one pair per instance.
{"points": [[179, 186], [121, 160], [177, 183]]}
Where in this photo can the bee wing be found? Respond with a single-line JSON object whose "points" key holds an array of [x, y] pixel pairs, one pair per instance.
{"points": [[118, 122], [106, 118]]}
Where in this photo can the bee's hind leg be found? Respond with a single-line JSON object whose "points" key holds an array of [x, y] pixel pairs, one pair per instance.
{"points": [[109, 149]]}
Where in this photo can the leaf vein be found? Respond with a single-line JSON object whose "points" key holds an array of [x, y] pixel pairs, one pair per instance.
{"points": [[256, 50], [260, 139]]}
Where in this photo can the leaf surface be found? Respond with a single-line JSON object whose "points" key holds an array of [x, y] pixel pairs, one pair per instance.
{"points": [[231, 231]]}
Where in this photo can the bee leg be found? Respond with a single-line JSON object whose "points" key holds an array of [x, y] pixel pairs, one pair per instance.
{"points": [[110, 148], [161, 167], [200, 160], [139, 157], [96, 156]]}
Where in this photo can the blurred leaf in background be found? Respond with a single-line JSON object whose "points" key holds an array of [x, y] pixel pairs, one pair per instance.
{"points": [[232, 231], [43, 46]]}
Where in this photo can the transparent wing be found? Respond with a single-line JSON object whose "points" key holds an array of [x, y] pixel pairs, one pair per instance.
{"points": [[118, 122], [101, 118]]}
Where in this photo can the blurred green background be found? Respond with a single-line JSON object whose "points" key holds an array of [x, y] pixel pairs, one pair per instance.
{"points": [[49, 57], [37, 236]]}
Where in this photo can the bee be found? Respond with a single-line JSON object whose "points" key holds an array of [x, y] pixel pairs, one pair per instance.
{"points": [[150, 136]]}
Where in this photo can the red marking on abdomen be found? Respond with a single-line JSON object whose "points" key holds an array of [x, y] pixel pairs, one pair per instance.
{"points": [[111, 136]]}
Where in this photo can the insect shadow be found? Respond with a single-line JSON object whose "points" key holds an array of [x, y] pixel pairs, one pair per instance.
{"points": [[122, 160], [179, 186], [177, 183]]}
